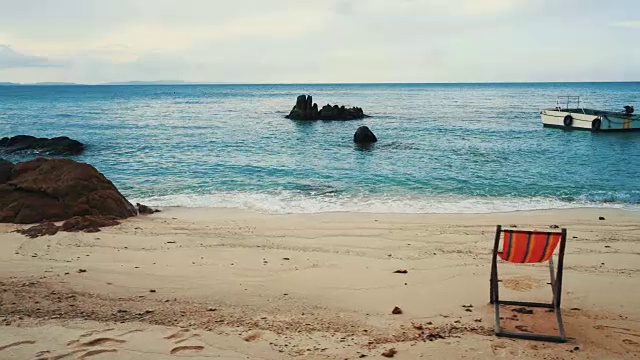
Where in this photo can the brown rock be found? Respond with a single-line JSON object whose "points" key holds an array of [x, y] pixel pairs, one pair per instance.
{"points": [[145, 210], [390, 353], [59, 189], [47, 228], [5, 170], [396, 311], [89, 224]]}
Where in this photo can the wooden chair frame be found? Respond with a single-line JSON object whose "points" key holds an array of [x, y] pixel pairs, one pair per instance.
{"points": [[556, 289]]}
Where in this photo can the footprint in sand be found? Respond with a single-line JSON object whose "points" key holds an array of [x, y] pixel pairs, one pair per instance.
{"points": [[61, 356], [130, 332], [178, 349], [17, 343], [177, 335], [102, 341], [80, 343], [42, 353], [96, 352], [252, 336], [522, 283], [95, 332], [498, 349], [186, 339], [631, 342], [90, 343]]}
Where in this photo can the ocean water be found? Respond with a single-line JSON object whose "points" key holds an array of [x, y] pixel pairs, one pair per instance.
{"points": [[443, 148]]}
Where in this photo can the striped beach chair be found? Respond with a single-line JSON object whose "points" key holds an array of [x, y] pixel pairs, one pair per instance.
{"points": [[526, 247]]}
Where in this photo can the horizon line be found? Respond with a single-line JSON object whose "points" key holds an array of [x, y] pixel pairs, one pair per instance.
{"points": [[182, 82]]}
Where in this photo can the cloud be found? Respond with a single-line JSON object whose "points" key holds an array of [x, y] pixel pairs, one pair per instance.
{"points": [[627, 24], [94, 41], [289, 24], [451, 9], [10, 58]]}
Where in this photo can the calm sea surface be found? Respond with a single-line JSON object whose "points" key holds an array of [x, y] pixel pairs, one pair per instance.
{"points": [[442, 147]]}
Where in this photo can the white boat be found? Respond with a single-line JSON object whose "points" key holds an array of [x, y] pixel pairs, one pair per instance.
{"points": [[568, 114]]}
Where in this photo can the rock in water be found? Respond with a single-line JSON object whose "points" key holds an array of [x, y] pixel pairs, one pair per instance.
{"points": [[5, 170], [299, 111], [59, 189], [54, 146], [364, 135], [305, 109]]}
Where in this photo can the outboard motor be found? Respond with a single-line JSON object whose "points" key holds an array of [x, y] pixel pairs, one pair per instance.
{"points": [[628, 110]]}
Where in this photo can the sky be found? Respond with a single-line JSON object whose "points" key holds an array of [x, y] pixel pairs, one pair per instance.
{"points": [[319, 41]]}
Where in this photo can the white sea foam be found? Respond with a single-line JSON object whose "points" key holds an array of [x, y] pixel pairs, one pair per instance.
{"points": [[295, 202]]}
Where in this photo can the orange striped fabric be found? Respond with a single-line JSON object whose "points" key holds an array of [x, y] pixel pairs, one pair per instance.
{"points": [[528, 246]]}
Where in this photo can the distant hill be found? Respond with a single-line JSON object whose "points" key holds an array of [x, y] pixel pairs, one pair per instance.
{"points": [[47, 83], [37, 84], [157, 82]]}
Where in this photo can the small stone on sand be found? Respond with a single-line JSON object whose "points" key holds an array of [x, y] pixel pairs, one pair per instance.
{"points": [[390, 353]]}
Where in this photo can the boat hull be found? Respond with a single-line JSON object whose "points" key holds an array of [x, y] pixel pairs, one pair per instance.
{"points": [[586, 121]]}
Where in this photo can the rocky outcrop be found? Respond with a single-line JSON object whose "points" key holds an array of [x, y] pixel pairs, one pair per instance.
{"points": [[59, 189], [88, 223], [305, 109], [54, 146], [364, 136], [46, 228], [5, 170]]}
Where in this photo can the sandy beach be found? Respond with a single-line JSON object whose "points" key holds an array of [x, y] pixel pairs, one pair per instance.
{"points": [[232, 284]]}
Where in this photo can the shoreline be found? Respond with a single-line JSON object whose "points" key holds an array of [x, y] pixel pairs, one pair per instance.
{"points": [[303, 204], [236, 283], [582, 209]]}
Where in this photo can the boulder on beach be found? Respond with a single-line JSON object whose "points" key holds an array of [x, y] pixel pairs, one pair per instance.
{"points": [[55, 146], [59, 189], [364, 136], [145, 210], [305, 109]]}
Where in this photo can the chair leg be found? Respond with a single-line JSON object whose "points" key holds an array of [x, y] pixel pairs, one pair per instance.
{"points": [[553, 281], [493, 280], [554, 305], [495, 296], [560, 323]]}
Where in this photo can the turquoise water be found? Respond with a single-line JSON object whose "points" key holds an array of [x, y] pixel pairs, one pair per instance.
{"points": [[443, 147]]}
